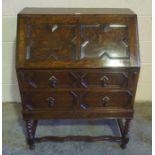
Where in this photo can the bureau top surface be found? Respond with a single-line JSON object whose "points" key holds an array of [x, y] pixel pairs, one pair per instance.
{"points": [[59, 11]]}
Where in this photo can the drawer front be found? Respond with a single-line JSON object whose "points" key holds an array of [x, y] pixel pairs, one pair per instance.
{"points": [[77, 100], [106, 79], [45, 79], [104, 100], [48, 100], [73, 79]]}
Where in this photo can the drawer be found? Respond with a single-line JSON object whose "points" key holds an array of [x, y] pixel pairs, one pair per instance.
{"points": [[99, 99], [77, 100], [48, 100], [73, 79], [106, 79], [45, 79]]}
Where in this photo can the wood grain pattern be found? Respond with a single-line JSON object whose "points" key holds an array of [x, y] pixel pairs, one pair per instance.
{"points": [[129, 35], [77, 64], [77, 138], [71, 11], [83, 78]]}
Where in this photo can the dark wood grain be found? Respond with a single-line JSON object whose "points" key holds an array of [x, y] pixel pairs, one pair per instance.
{"points": [[83, 78], [77, 64], [130, 35], [77, 138], [108, 113], [70, 100], [71, 11]]}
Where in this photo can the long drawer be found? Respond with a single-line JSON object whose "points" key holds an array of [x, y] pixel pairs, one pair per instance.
{"points": [[76, 100], [57, 79]]}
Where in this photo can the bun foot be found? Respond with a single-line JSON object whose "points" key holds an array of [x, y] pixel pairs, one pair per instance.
{"points": [[32, 147], [123, 146], [31, 144], [124, 143]]}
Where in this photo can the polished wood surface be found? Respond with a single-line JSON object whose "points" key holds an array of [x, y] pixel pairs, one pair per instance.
{"points": [[74, 100], [101, 33], [77, 78], [46, 11], [77, 64]]}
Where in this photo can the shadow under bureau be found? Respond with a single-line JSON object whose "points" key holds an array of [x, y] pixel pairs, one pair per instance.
{"points": [[77, 64]]}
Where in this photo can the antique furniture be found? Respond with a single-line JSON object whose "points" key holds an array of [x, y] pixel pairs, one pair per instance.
{"points": [[77, 63]]}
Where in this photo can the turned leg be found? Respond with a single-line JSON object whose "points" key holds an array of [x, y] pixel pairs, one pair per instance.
{"points": [[125, 131], [31, 126], [35, 123]]}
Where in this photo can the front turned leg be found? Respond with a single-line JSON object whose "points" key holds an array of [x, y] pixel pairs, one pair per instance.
{"points": [[125, 132], [31, 128]]}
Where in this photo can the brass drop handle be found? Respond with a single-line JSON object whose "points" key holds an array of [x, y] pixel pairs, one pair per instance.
{"points": [[105, 101], [50, 101], [53, 80], [104, 81]]}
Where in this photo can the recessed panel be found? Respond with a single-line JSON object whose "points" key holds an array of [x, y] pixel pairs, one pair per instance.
{"points": [[50, 42], [104, 41]]}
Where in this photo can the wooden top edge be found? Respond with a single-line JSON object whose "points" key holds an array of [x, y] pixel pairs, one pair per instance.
{"points": [[76, 11]]}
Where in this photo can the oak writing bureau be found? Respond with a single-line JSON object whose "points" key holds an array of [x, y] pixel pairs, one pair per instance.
{"points": [[77, 64]]}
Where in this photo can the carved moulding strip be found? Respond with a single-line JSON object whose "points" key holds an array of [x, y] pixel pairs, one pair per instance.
{"points": [[79, 79]]}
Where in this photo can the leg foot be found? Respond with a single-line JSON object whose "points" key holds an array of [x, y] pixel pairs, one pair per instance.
{"points": [[31, 128], [124, 143], [32, 147], [123, 146], [125, 131], [31, 144]]}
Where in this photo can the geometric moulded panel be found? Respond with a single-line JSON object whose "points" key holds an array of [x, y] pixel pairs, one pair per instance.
{"points": [[104, 41], [50, 42]]}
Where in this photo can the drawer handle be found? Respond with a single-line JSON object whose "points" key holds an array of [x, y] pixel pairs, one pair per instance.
{"points": [[104, 81], [105, 101], [53, 80], [51, 101]]}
